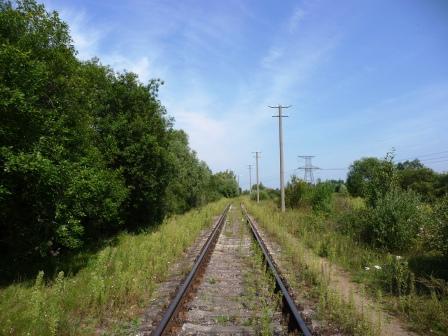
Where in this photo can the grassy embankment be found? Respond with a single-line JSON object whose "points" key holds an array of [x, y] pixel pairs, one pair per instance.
{"points": [[305, 236], [110, 292]]}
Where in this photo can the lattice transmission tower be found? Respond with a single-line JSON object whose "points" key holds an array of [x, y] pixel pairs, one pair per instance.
{"points": [[308, 168]]}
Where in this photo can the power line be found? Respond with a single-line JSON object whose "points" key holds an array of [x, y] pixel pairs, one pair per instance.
{"points": [[334, 168], [423, 155], [437, 158], [441, 161]]}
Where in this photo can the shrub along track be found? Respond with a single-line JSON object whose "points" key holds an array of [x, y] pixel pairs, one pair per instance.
{"points": [[232, 289]]}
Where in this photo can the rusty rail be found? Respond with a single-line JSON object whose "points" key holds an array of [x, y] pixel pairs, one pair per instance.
{"points": [[295, 321], [168, 318]]}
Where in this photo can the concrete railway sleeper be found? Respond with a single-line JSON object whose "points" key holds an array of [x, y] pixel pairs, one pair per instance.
{"points": [[233, 288]]}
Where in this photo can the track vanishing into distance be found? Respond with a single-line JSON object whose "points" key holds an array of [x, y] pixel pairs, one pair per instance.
{"points": [[233, 288]]}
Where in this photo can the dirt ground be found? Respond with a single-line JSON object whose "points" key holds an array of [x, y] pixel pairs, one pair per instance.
{"points": [[340, 282]]}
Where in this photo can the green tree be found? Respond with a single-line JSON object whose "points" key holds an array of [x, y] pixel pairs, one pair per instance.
{"points": [[84, 151], [360, 173], [372, 178], [133, 135], [225, 184], [394, 221], [296, 192], [190, 186], [413, 175], [53, 180]]}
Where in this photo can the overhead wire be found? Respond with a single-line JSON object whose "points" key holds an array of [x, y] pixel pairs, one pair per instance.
{"points": [[422, 155]]}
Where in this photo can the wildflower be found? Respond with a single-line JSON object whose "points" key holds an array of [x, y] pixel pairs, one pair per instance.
{"points": [[377, 267], [398, 257], [367, 268]]}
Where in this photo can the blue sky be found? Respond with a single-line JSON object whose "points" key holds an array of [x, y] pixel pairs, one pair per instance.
{"points": [[362, 77]]}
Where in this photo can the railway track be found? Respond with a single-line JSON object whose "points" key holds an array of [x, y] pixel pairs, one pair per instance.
{"points": [[233, 287]]}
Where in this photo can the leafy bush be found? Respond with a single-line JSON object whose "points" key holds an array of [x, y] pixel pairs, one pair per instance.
{"points": [[429, 266], [350, 222], [441, 219], [296, 192], [371, 178], [320, 197], [299, 193], [342, 189], [396, 277], [394, 222], [265, 193]]}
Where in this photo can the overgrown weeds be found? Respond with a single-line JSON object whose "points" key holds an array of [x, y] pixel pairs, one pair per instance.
{"points": [[260, 293], [417, 297], [111, 290], [303, 269]]}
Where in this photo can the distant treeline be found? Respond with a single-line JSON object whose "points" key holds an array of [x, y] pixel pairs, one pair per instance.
{"points": [[404, 206], [84, 151]]}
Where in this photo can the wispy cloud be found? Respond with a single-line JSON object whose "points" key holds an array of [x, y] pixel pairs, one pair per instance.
{"points": [[295, 19], [86, 36], [273, 55], [224, 62]]}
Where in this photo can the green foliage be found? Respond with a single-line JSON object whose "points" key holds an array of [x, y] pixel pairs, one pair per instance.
{"points": [[265, 193], [441, 185], [342, 189], [84, 152], [429, 266], [115, 285], [414, 176], [395, 276], [361, 172], [321, 196], [225, 184], [190, 187], [395, 218], [316, 235], [297, 231], [298, 193], [439, 240], [394, 222], [372, 178]]}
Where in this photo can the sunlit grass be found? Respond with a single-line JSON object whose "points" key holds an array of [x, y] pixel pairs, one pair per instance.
{"points": [[303, 233], [111, 290], [305, 271]]}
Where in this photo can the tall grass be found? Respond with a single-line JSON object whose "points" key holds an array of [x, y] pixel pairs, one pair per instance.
{"points": [[316, 235], [304, 271], [110, 291]]}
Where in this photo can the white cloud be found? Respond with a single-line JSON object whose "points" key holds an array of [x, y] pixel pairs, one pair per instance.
{"points": [[273, 55], [142, 66], [297, 17], [86, 36]]}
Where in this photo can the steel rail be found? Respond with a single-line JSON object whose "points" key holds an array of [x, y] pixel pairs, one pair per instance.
{"points": [[296, 321], [166, 322]]}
